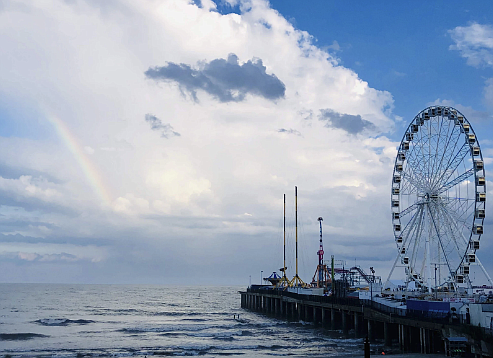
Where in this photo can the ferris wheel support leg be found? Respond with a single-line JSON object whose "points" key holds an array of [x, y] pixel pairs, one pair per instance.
{"points": [[392, 271], [485, 273]]}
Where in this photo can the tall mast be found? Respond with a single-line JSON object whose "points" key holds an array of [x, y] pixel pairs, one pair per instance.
{"points": [[296, 220], [284, 267], [320, 254]]}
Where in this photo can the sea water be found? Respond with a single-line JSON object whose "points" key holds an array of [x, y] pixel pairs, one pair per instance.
{"points": [[48, 320]]}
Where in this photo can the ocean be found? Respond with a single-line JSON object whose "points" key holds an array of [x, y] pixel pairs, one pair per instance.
{"points": [[50, 320]]}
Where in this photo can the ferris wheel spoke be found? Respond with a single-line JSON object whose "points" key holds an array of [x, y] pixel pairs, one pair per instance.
{"points": [[448, 227], [414, 167], [439, 238], [452, 166], [461, 250], [410, 209], [437, 147], [456, 181], [410, 238], [448, 154], [417, 236], [408, 228], [464, 224], [443, 152], [413, 181], [460, 210], [407, 188], [418, 161], [453, 222]]}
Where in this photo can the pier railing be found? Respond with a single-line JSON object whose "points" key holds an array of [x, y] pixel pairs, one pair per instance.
{"points": [[313, 298]]}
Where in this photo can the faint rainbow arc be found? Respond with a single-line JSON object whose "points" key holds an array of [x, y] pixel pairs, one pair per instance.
{"points": [[88, 168]]}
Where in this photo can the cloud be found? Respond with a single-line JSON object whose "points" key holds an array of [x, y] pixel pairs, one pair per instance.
{"points": [[397, 74], [225, 80], [488, 93], [165, 129], [334, 47], [89, 150], [475, 43], [353, 124], [30, 256], [34, 194], [471, 114], [289, 131], [230, 159]]}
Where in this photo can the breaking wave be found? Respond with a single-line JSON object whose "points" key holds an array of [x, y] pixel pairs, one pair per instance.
{"points": [[20, 336], [61, 321]]}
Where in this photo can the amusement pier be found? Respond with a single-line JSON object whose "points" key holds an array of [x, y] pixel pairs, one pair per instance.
{"points": [[431, 302]]}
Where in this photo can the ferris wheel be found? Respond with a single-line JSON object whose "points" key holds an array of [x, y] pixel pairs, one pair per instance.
{"points": [[438, 200]]}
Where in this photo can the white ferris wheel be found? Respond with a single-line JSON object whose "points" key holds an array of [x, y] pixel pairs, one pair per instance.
{"points": [[438, 201]]}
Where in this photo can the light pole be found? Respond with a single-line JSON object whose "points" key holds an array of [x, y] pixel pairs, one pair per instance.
{"points": [[436, 292], [261, 276], [250, 281], [371, 284]]}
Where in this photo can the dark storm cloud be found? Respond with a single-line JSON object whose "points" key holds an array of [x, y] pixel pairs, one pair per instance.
{"points": [[289, 131], [225, 80], [350, 123], [165, 128]]}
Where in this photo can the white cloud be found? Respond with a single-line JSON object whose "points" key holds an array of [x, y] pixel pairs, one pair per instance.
{"points": [[221, 181], [488, 92], [89, 150], [475, 43], [471, 114], [27, 186]]}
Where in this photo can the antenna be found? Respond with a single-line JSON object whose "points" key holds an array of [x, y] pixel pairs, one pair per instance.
{"points": [[296, 281], [320, 253], [296, 220], [284, 229]]}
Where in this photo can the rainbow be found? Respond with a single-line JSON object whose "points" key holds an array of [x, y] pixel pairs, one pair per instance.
{"points": [[88, 168]]}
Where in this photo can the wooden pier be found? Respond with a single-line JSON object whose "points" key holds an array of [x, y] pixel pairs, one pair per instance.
{"points": [[365, 318]]}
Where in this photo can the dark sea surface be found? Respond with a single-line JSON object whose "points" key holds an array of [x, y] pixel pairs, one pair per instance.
{"points": [[137, 320]]}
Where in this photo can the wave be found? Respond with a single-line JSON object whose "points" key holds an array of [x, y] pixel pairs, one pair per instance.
{"points": [[247, 333], [61, 321], [272, 347], [20, 336], [195, 319], [172, 313], [173, 328], [224, 338]]}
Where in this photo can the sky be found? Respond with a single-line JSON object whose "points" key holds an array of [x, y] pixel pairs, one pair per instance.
{"points": [[152, 141]]}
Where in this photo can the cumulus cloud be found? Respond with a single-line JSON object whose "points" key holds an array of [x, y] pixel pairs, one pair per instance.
{"points": [[353, 124], [475, 43], [226, 80], [166, 129], [142, 200]]}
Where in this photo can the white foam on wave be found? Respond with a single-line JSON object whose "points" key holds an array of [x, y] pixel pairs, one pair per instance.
{"points": [[53, 321]]}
